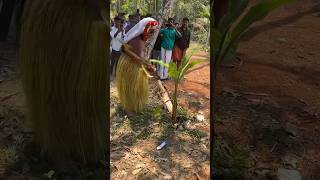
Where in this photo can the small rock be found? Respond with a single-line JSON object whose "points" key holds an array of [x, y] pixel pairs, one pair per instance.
{"points": [[317, 14], [231, 91], [162, 159], [140, 166], [116, 148], [291, 129], [263, 172], [255, 102], [282, 40], [188, 149], [187, 125], [26, 168], [167, 176], [112, 112], [181, 128], [135, 172], [286, 174], [204, 140], [196, 154], [200, 117], [301, 57], [291, 162], [50, 174]]}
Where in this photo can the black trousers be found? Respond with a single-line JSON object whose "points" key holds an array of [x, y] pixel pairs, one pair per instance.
{"points": [[115, 55]]}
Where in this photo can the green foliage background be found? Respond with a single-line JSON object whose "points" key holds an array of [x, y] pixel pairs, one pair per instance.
{"points": [[198, 12]]}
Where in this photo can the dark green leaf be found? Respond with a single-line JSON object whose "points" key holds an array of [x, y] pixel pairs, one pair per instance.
{"points": [[173, 71], [216, 40], [236, 8], [160, 62], [187, 67], [256, 13]]}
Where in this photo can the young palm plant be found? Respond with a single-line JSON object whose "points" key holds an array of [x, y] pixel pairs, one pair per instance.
{"points": [[177, 74]]}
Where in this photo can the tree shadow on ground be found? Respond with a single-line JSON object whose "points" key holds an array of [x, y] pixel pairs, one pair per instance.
{"points": [[263, 126], [167, 162], [252, 32], [20, 159]]}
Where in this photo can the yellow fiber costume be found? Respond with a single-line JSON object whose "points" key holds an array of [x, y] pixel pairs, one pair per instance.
{"points": [[131, 76], [63, 68], [132, 82]]}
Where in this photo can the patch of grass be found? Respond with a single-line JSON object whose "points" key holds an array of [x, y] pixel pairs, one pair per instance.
{"points": [[194, 47], [194, 103], [144, 134], [184, 115], [196, 133], [8, 155], [230, 161]]}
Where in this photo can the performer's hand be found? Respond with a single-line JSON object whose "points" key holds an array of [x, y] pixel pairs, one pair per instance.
{"points": [[151, 69]]}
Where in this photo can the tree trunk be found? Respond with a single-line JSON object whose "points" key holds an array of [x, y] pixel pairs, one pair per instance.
{"points": [[19, 13], [164, 15], [5, 18], [208, 38], [67, 103], [220, 8]]}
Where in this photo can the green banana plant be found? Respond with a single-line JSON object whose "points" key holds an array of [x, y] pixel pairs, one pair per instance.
{"points": [[177, 74]]}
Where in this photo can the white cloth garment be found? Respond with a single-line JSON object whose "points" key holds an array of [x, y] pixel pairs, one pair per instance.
{"points": [[136, 30], [116, 42], [166, 58]]}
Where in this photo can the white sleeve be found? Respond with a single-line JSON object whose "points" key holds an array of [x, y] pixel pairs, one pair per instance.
{"points": [[121, 36], [113, 32]]}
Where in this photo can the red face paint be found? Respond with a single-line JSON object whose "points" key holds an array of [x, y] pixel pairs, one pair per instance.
{"points": [[146, 29]]}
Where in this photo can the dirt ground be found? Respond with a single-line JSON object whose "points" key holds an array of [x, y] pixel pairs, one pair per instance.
{"points": [[134, 141], [270, 105]]}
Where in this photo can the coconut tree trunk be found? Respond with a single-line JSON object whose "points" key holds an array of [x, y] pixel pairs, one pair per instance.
{"points": [[220, 8], [19, 13], [164, 14], [64, 76], [5, 18]]}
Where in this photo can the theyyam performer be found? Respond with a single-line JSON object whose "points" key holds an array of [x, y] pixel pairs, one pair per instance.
{"points": [[132, 75]]}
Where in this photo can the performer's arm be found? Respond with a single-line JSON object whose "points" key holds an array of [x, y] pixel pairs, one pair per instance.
{"points": [[137, 59]]}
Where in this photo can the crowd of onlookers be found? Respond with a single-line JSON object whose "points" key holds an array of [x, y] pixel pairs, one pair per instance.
{"points": [[171, 44]]}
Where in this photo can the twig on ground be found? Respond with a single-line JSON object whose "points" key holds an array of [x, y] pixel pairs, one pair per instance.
{"points": [[8, 96], [274, 146]]}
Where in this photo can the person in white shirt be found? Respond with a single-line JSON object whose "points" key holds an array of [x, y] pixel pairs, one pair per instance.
{"points": [[117, 33]]}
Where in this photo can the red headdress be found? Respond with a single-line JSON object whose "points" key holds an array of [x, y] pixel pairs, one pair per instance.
{"points": [[145, 31]]}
